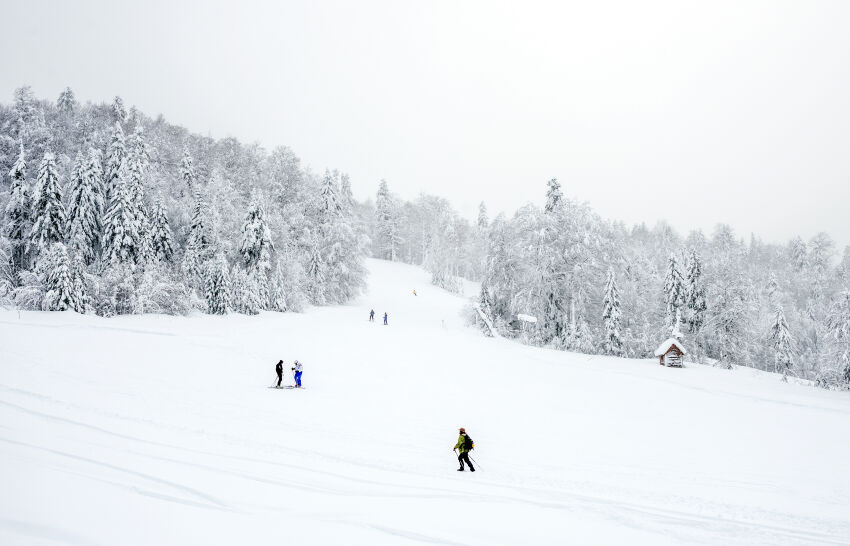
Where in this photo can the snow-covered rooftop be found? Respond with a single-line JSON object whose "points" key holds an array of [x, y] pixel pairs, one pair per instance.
{"points": [[669, 342]]}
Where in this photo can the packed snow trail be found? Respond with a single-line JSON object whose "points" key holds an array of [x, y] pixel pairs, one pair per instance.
{"points": [[161, 430]]}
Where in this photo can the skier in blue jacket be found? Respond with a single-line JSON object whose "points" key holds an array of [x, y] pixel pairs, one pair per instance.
{"points": [[297, 368]]}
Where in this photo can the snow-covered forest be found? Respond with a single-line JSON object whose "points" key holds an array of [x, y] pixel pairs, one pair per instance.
{"points": [[597, 286], [109, 211]]}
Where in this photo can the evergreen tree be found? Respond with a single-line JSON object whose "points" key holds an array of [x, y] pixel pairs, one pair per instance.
{"points": [[346, 196], [84, 210], [674, 291], [316, 277], [330, 207], [799, 254], [48, 212], [201, 244], [66, 103], [17, 226], [696, 301], [115, 157], [162, 246], [62, 291], [554, 197], [138, 157], [256, 245], [217, 289], [122, 241], [483, 221], [245, 297], [838, 325], [119, 112], [611, 314], [187, 170], [783, 343], [387, 223]]}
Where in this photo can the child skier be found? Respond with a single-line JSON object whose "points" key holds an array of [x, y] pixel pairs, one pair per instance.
{"points": [[464, 444], [298, 370]]}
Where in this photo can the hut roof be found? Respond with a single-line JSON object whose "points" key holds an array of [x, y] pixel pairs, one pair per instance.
{"points": [[668, 343]]}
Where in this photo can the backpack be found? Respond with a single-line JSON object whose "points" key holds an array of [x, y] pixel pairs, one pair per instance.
{"points": [[468, 444]]}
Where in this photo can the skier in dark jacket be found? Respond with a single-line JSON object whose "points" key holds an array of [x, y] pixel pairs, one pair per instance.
{"points": [[372, 315], [461, 447], [279, 370], [385, 318]]}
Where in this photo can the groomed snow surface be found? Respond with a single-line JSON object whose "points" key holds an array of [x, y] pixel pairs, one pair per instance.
{"points": [[162, 430]]}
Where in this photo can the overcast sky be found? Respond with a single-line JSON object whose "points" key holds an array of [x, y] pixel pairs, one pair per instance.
{"points": [[695, 113]]}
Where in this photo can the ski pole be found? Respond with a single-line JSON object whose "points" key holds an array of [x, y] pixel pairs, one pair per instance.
{"points": [[474, 461]]}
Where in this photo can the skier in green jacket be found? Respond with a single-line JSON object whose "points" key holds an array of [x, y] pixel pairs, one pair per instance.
{"points": [[464, 444]]}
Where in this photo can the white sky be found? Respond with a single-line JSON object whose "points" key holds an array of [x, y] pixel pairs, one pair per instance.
{"points": [[693, 112]]}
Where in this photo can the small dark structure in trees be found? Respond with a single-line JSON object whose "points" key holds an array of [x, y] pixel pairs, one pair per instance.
{"points": [[671, 353]]}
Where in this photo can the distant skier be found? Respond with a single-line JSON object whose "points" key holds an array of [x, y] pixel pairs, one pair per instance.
{"points": [[414, 291], [372, 315], [298, 370], [279, 370], [385, 318], [462, 448]]}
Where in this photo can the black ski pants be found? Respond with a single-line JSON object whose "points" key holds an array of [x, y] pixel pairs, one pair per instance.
{"points": [[465, 457], [279, 378]]}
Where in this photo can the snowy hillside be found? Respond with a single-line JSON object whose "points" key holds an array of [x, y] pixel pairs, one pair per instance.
{"points": [[162, 430]]}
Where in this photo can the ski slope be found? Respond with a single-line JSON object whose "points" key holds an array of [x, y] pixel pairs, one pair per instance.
{"points": [[162, 430]]}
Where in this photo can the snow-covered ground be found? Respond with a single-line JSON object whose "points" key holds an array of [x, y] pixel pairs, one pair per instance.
{"points": [[162, 430]]}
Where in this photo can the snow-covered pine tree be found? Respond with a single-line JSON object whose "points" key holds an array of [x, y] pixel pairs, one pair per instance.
{"points": [[783, 343], [799, 254], [316, 277], [483, 221], [48, 212], [115, 156], [582, 338], [838, 325], [244, 292], [62, 293], [122, 242], [674, 291], [256, 244], [84, 210], [78, 278], [772, 290], [341, 262], [387, 223], [163, 249], [611, 315], [200, 246], [66, 103], [217, 289], [277, 291], [119, 112], [138, 157], [695, 294], [554, 197], [346, 196], [187, 170], [17, 225]]}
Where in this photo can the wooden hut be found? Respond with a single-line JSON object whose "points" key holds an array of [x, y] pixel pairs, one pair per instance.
{"points": [[671, 353]]}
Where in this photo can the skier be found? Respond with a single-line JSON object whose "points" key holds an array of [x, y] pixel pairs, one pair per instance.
{"points": [[279, 370], [297, 369], [372, 315], [464, 444], [414, 291], [385, 318]]}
